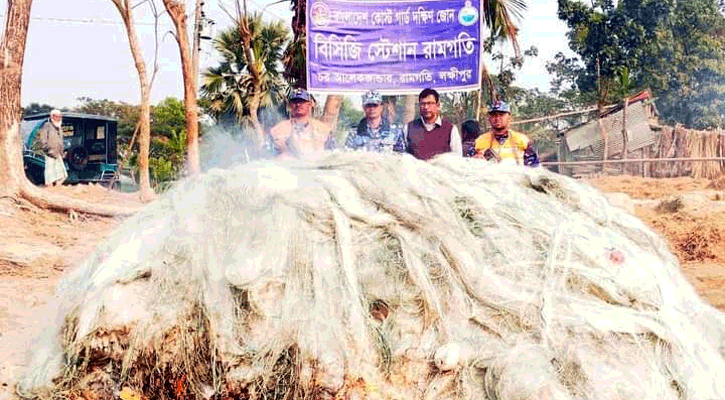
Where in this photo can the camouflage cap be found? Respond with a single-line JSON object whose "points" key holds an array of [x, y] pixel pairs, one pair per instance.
{"points": [[499, 106], [372, 97]]}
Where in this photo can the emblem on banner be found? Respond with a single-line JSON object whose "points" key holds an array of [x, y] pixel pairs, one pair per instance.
{"points": [[320, 14], [468, 15]]}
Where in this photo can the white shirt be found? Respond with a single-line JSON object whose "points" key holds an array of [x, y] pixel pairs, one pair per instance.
{"points": [[456, 144]]}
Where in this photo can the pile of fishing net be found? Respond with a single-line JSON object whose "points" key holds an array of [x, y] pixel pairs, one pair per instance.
{"points": [[362, 276]]}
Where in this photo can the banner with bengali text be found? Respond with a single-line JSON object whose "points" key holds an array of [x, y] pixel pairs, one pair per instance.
{"points": [[394, 47]]}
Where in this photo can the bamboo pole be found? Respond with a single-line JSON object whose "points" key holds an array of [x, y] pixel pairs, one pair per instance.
{"points": [[633, 160], [561, 115]]}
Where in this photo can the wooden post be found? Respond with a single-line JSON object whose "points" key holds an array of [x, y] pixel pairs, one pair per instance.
{"points": [[600, 109], [605, 136], [625, 139], [646, 153]]}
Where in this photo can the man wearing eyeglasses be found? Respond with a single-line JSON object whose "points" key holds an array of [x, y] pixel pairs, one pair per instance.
{"points": [[301, 135], [431, 134], [374, 132]]}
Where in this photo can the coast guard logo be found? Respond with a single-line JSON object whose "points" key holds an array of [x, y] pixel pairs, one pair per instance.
{"points": [[320, 14], [468, 15]]}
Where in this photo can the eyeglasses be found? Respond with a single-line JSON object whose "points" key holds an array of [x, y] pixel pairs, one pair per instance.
{"points": [[427, 103], [371, 105]]}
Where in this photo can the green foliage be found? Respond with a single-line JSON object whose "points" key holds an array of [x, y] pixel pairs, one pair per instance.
{"points": [[36, 108], [349, 115], [459, 106], [167, 154], [507, 66], [168, 116], [676, 48], [228, 86]]}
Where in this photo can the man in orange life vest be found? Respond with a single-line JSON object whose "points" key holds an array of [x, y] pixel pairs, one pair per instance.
{"points": [[430, 134], [502, 144]]}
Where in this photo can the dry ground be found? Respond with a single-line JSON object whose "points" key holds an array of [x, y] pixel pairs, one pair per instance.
{"points": [[38, 246], [694, 226]]}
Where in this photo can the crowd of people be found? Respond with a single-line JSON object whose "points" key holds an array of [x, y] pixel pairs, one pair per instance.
{"points": [[427, 136]]}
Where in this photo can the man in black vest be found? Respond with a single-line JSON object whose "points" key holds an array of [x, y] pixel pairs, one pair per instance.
{"points": [[430, 134]]}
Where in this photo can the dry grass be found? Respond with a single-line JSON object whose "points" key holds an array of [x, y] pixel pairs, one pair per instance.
{"points": [[648, 188], [691, 237], [717, 183]]}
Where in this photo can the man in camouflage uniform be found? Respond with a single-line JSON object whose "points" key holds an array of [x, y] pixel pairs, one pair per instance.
{"points": [[375, 133]]}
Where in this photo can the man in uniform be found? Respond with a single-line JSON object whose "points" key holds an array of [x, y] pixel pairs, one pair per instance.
{"points": [[502, 144], [301, 135], [375, 133]]}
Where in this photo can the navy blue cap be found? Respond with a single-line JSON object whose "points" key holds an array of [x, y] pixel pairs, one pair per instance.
{"points": [[299, 94]]}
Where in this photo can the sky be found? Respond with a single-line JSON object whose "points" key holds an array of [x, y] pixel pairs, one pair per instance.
{"points": [[79, 48]]}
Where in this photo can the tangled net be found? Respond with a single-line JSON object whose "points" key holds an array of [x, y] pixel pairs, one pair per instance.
{"points": [[365, 276]]}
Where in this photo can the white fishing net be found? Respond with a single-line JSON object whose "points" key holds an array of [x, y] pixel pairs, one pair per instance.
{"points": [[381, 277]]}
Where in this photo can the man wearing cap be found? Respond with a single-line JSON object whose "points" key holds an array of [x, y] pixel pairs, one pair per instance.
{"points": [[431, 134], [503, 144], [375, 133], [301, 135], [50, 141]]}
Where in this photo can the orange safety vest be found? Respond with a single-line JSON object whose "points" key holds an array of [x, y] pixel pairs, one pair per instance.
{"points": [[510, 151]]}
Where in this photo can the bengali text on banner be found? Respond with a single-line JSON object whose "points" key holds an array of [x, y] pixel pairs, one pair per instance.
{"points": [[393, 46]]}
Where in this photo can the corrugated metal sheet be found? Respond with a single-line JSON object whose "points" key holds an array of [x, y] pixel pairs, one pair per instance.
{"points": [[639, 132]]}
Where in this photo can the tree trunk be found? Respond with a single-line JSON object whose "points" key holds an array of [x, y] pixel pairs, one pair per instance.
{"points": [[12, 52], [124, 8], [332, 110], [13, 183], [177, 12], [252, 64], [411, 101], [389, 108], [254, 114]]}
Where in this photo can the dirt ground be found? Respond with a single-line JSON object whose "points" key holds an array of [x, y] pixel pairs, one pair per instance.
{"points": [[690, 214], [37, 247]]}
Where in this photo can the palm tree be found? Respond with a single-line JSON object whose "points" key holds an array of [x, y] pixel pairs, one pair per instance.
{"points": [[500, 17], [231, 89]]}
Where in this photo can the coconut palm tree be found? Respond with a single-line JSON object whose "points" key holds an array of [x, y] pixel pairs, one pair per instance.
{"points": [[230, 88]]}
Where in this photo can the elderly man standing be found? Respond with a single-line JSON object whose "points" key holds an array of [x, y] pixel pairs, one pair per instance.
{"points": [[502, 144], [50, 138], [430, 134], [374, 132], [301, 135]]}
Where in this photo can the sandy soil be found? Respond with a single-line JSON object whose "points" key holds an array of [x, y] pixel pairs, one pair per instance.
{"points": [[37, 247], [695, 231]]}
